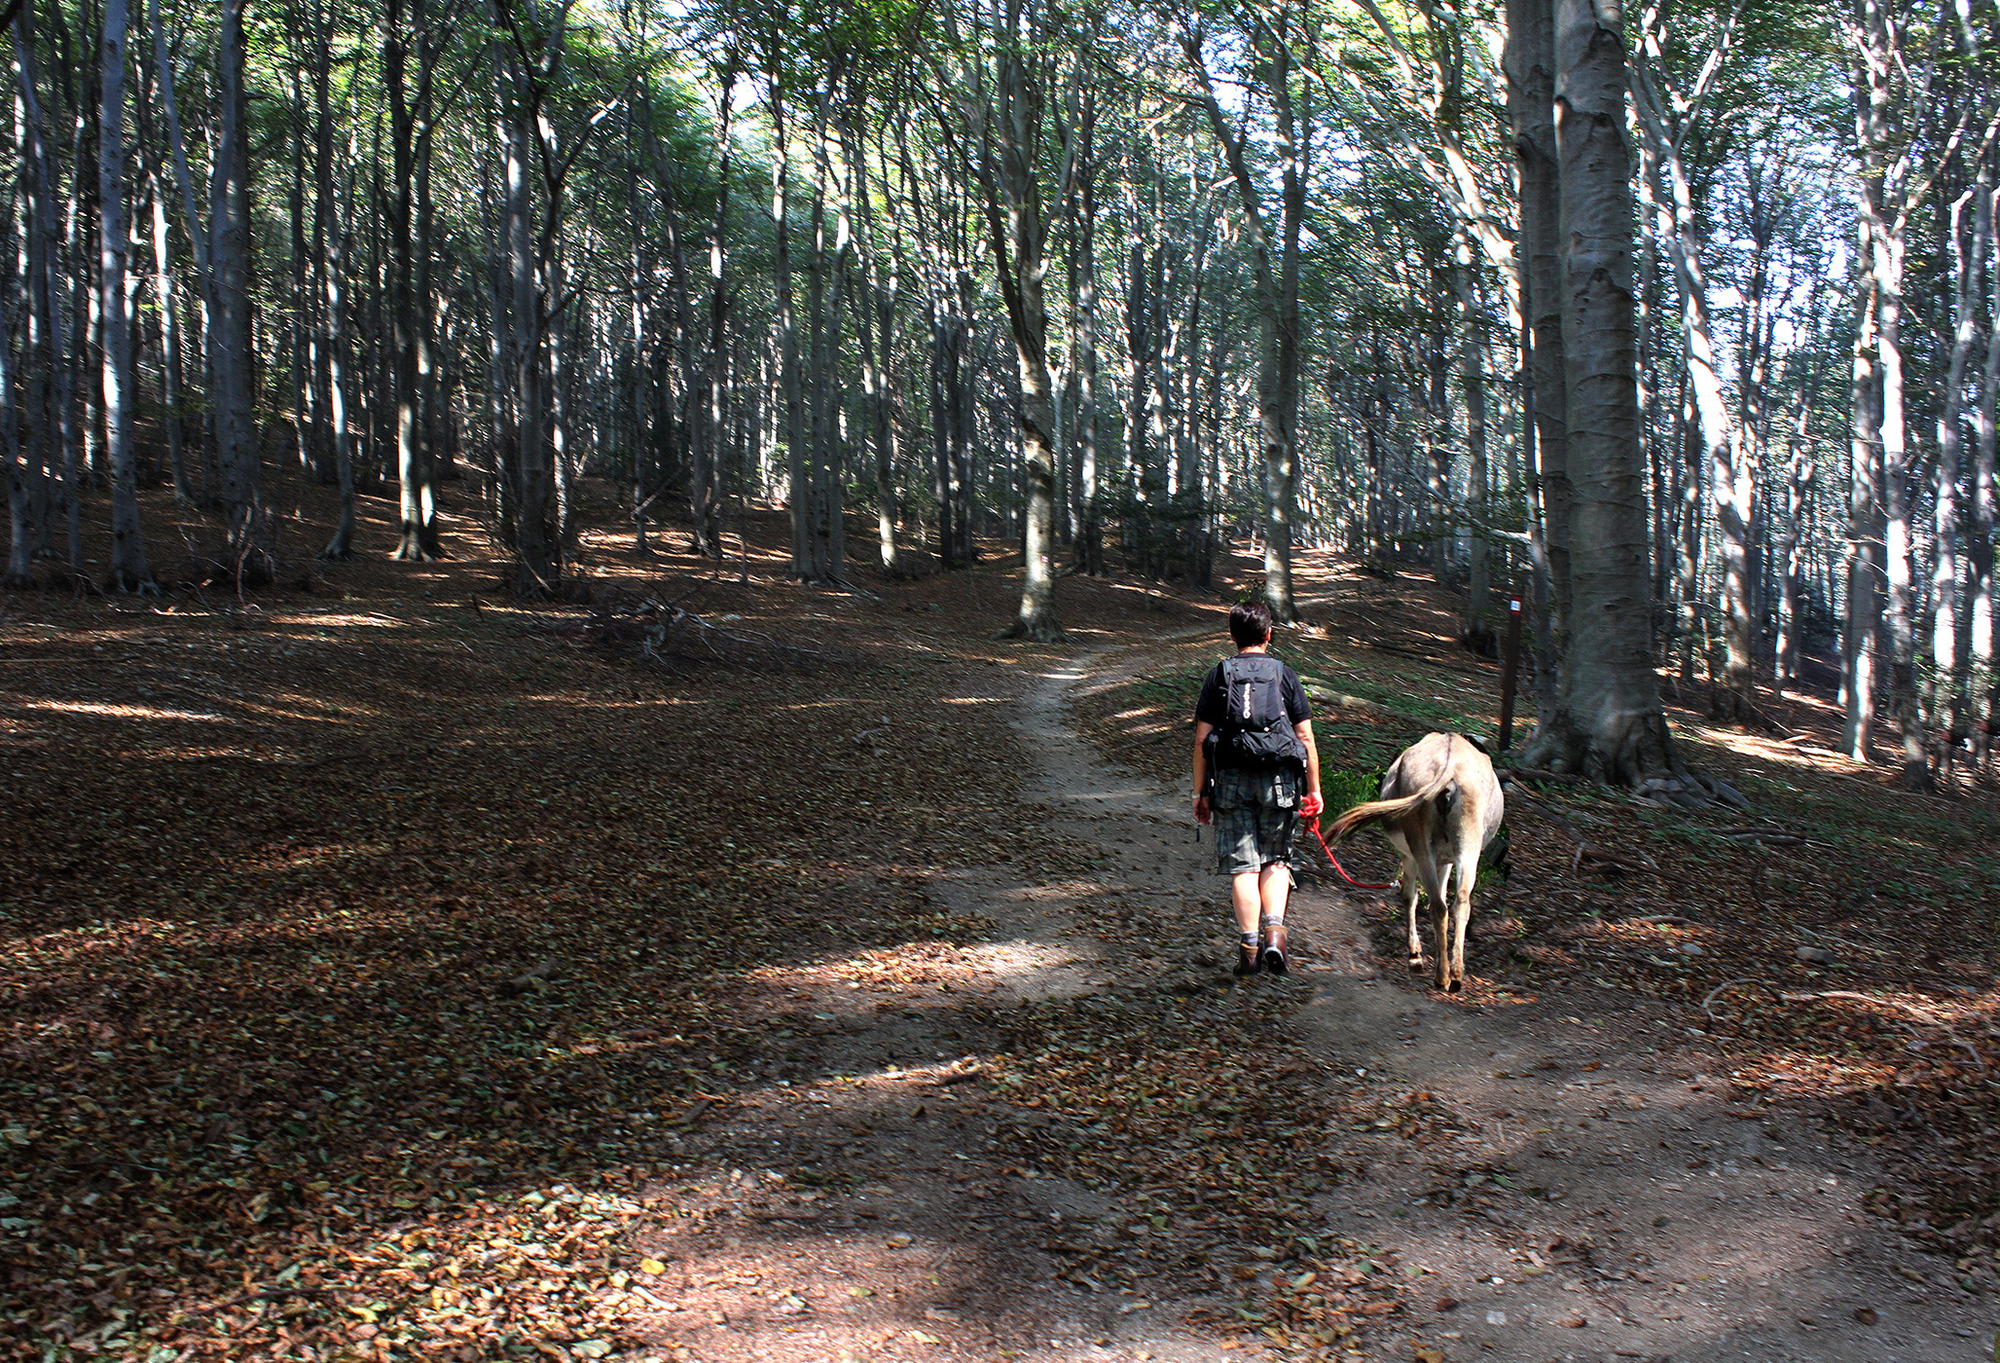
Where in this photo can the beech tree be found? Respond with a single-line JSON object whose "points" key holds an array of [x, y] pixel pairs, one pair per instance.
{"points": [[1105, 284], [1609, 719]]}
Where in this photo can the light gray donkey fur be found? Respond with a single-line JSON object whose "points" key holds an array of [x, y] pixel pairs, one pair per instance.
{"points": [[1440, 805]]}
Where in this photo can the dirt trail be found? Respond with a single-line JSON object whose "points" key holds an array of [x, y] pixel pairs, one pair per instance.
{"points": [[1585, 1190]]}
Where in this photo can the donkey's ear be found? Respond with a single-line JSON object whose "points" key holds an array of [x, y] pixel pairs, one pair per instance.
{"points": [[1476, 741]]}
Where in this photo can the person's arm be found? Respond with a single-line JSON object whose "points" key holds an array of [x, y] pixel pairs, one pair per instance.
{"points": [[1202, 730], [1313, 803]]}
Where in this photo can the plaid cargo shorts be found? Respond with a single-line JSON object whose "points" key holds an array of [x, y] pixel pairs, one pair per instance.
{"points": [[1255, 810]]}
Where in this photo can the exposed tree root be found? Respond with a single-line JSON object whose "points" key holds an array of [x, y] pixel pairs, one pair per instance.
{"points": [[1042, 630]]}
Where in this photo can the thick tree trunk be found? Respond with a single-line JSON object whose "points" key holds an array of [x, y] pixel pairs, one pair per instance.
{"points": [[1982, 682], [534, 542], [128, 548], [1864, 543], [1531, 64], [1948, 699], [417, 537], [1010, 130], [1609, 720], [238, 454]]}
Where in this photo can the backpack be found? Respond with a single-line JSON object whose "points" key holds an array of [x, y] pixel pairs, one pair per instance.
{"points": [[1256, 730]]}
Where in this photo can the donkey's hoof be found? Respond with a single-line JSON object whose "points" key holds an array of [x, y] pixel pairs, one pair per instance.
{"points": [[1416, 960]]}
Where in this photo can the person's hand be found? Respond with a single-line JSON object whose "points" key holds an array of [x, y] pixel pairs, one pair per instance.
{"points": [[1202, 813], [1312, 805]]}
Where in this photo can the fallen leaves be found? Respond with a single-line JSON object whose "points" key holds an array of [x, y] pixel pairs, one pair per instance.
{"points": [[381, 1033]]}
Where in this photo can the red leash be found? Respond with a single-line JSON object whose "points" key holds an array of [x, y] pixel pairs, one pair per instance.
{"points": [[1340, 870]]}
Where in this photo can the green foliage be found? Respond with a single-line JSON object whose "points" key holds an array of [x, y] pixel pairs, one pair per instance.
{"points": [[1345, 789]]}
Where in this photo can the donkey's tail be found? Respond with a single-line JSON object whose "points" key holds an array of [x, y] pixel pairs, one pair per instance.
{"points": [[1364, 814]]}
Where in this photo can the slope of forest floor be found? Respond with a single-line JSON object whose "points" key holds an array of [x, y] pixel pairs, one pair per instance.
{"points": [[392, 970]]}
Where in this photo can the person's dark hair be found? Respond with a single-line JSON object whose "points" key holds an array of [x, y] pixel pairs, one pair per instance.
{"points": [[1249, 623]]}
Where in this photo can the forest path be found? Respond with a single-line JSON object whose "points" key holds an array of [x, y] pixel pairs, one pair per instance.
{"points": [[1551, 1178], [1594, 1194]]}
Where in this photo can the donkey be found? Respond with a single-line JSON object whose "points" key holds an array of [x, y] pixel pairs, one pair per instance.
{"points": [[1441, 805]]}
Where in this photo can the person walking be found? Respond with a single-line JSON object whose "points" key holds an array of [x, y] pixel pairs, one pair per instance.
{"points": [[1253, 751]]}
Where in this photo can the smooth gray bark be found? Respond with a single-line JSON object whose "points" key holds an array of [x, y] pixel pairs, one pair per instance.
{"points": [[1968, 251], [1982, 681], [238, 455], [128, 570], [333, 270], [1864, 543], [417, 535], [1531, 104], [1609, 721]]}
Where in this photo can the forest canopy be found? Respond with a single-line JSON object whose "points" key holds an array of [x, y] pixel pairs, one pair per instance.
{"points": [[1113, 281]]}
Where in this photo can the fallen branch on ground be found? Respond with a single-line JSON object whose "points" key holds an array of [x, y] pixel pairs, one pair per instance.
{"points": [[1553, 778], [667, 634], [530, 979], [1723, 988], [1345, 702], [1586, 850]]}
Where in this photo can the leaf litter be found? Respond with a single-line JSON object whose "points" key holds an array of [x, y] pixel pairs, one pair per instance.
{"points": [[268, 1083]]}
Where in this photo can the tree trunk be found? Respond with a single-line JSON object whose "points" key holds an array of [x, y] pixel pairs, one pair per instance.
{"points": [[1480, 626], [19, 572], [417, 538], [1982, 682], [44, 350], [128, 548], [1609, 721], [1089, 543], [238, 454], [1864, 541], [1884, 205], [1277, 308], [534, 543], [341, 545], [793, 427], [1010, 136], [1901, 616], [1531, 63], [1948, 699], [1790, 555], [704, 486]]}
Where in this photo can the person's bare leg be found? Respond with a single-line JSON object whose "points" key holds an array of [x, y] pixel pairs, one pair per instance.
{"points": [[1245, 898], [1274, 888]]}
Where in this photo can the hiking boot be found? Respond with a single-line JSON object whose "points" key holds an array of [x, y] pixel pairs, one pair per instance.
{"points": [[1272, 953], [1249, 960]]}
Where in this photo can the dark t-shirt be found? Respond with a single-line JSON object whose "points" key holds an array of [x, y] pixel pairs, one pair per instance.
{"points": [[1213, 705]]}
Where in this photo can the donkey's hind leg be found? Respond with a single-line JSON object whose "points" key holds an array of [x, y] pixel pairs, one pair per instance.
{"points": [[1408, 884], [1465, 876]]}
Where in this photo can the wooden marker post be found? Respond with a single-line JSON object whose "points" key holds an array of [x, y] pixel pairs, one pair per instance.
{"points": [[1510, 668]]}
